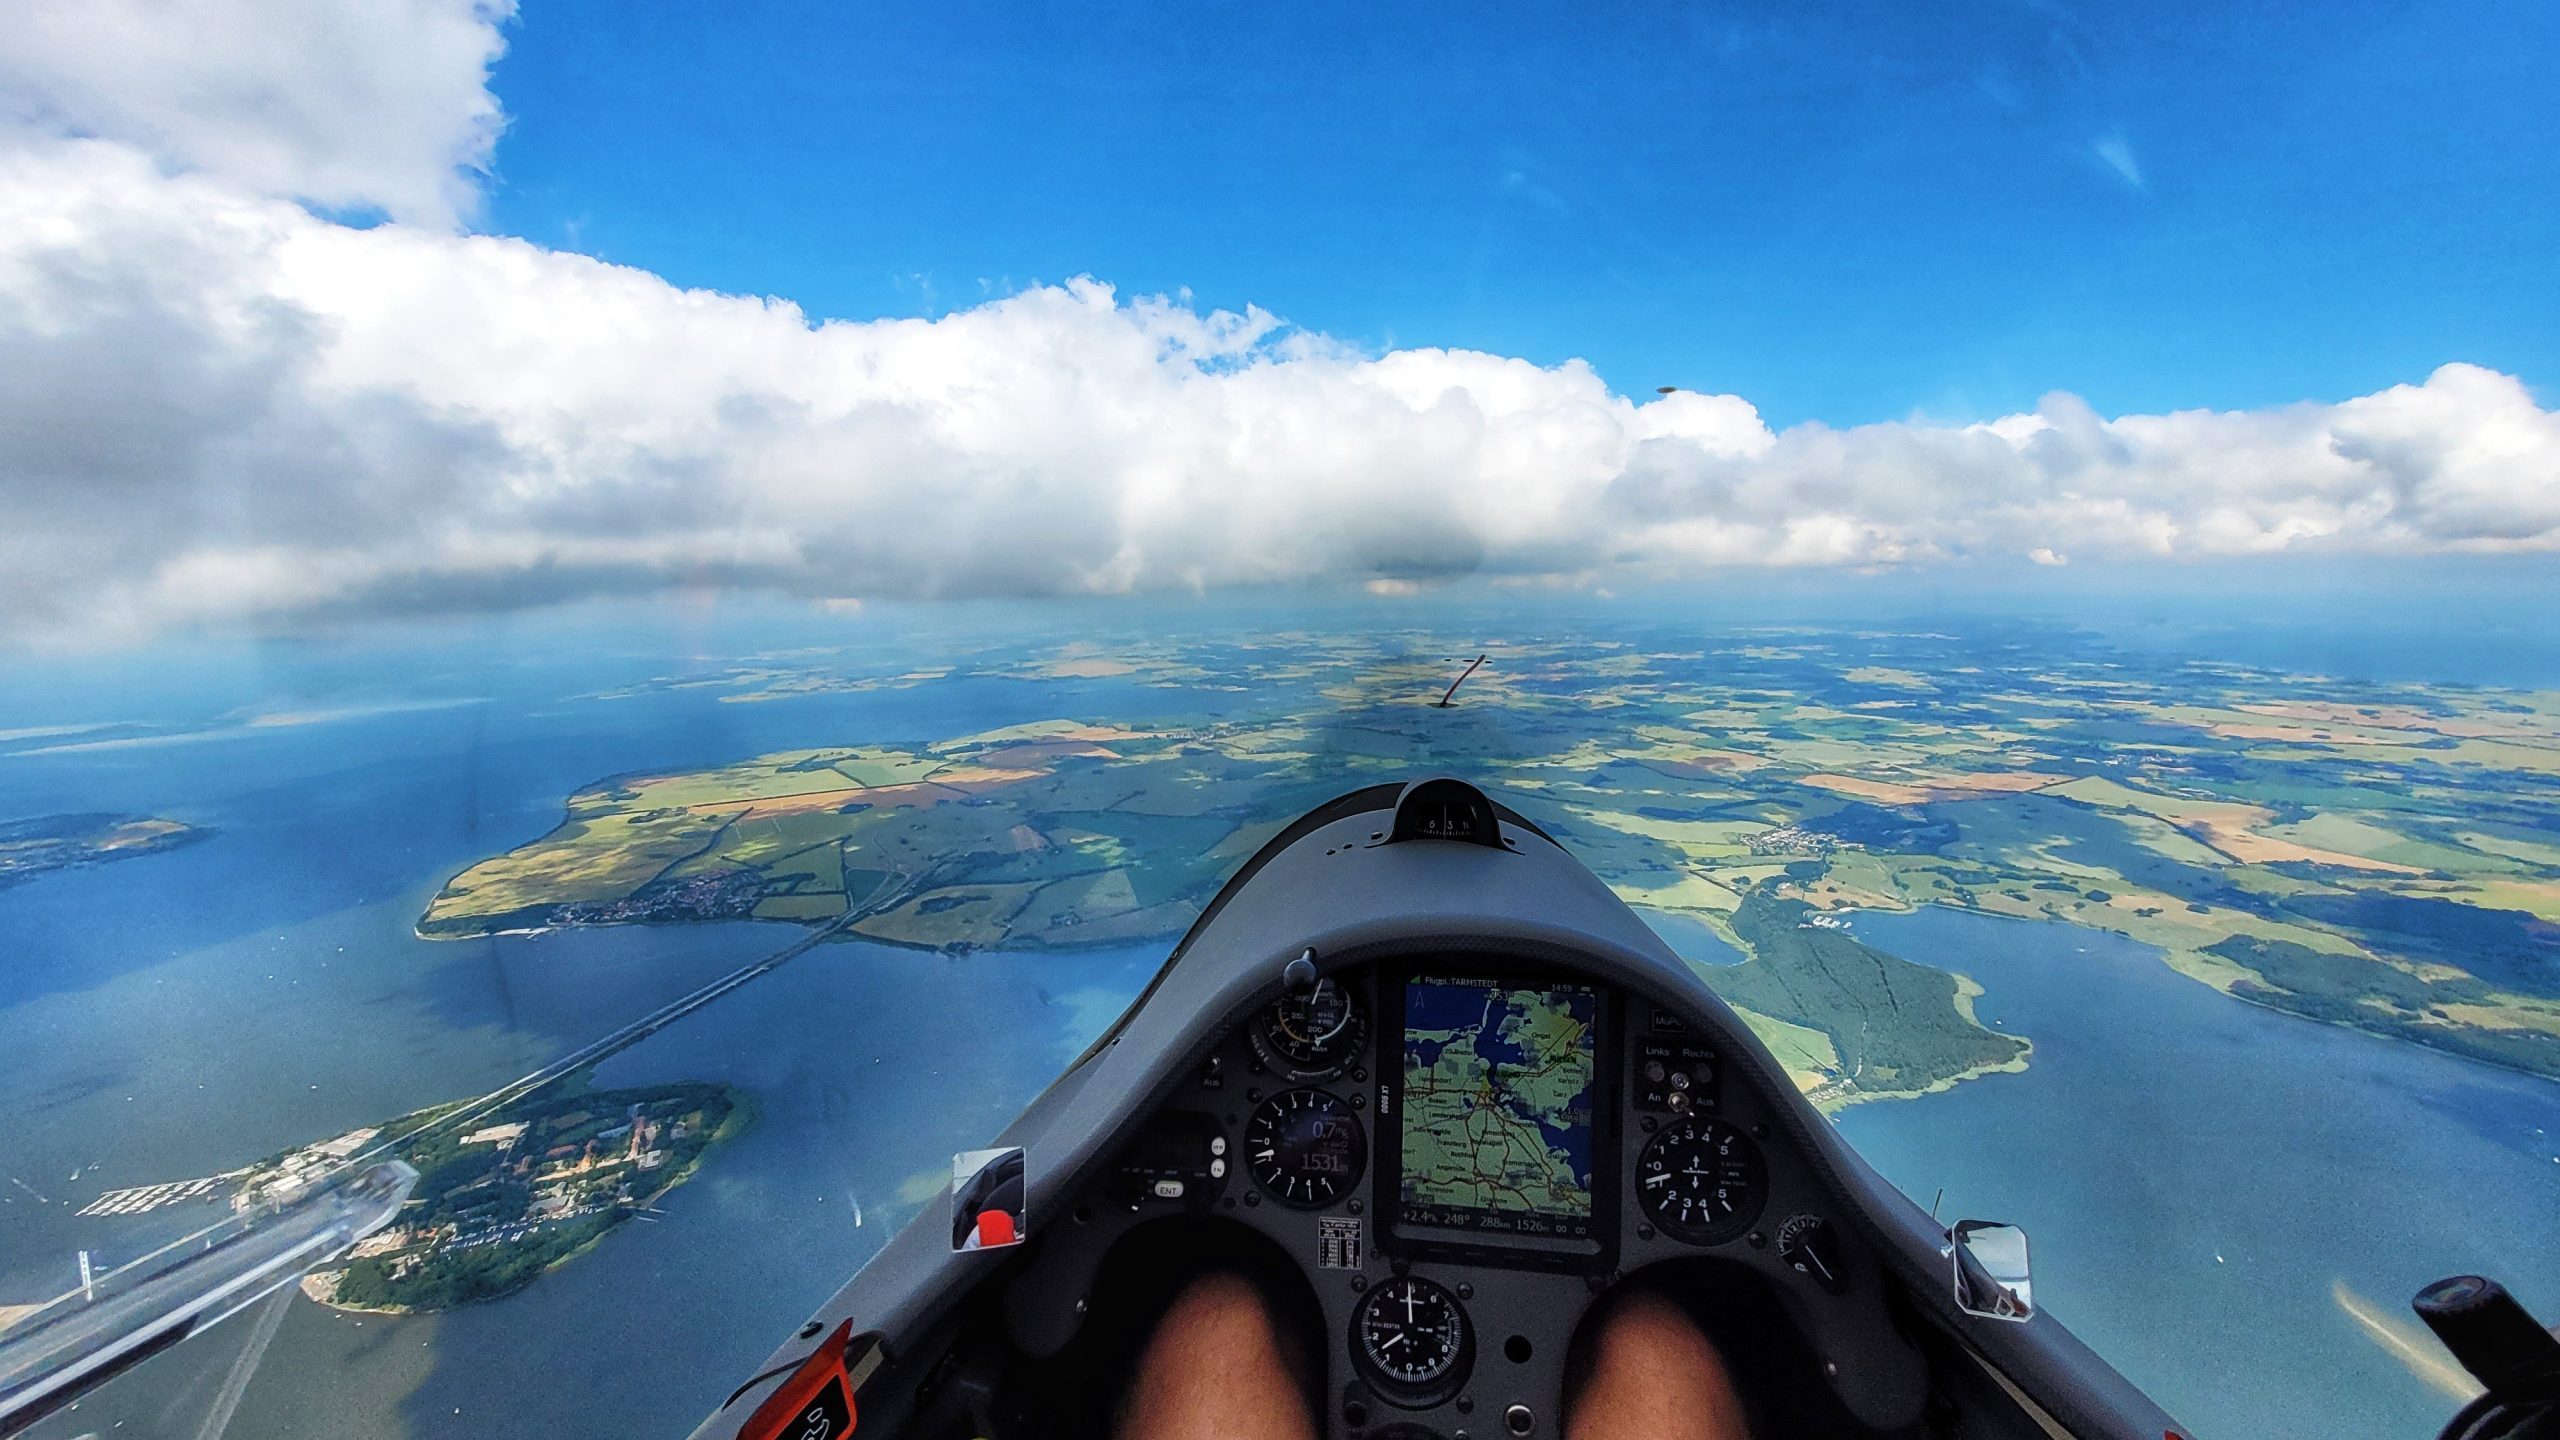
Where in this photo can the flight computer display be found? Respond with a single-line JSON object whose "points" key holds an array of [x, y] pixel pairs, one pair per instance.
{"points": [[1495, 1114]]}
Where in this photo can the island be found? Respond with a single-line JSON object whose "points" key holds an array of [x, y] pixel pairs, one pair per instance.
{"points": [[2381, 856], [29, 848], [507, 1192]]}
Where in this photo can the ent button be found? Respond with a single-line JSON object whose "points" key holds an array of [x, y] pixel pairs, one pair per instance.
{"points": [[1168, 1189]]}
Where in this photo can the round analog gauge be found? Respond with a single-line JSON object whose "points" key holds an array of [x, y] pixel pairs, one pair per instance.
{"points": [[1806, 1246], [1304, 1148], [1411, 1336], [1701, 1179], [1310, 1036]]}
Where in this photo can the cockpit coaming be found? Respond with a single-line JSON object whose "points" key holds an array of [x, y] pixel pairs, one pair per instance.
{"points": [[1437, 1088]]}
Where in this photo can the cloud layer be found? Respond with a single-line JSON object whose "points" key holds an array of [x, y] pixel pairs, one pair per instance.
{"points": [[217, 407], [377, 106]]}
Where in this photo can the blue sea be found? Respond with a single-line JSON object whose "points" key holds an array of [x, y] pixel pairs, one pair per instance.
{"points": [[2197, 1174]]}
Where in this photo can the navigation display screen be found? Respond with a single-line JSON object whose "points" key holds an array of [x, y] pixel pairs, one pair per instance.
{"points": [[1496, 1109]]}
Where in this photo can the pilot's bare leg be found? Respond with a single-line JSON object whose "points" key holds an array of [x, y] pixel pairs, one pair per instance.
{"points": [[1653, 1373], [1217, 1368]]}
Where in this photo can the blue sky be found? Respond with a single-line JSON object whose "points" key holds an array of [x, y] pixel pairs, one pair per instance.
{"points": [[1878, 211], [1969, 289]]}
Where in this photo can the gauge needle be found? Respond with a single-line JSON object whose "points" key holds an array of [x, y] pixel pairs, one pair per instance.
{"points": [[1818, 1267], [1662, 1178], [1408, 1307]]}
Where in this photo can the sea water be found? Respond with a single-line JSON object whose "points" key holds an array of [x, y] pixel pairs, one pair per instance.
{"points": [[2203, 1180], [2199, 1175]]}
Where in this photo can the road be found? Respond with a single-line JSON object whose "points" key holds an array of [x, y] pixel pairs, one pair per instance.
{"points": [[892, 891]]}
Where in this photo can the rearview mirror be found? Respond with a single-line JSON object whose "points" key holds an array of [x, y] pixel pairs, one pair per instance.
{"points": [[1991, 1270], [987, 1193]]}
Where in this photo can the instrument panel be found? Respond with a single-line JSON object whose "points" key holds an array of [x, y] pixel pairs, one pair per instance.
{"points": [[1462, 1155]]}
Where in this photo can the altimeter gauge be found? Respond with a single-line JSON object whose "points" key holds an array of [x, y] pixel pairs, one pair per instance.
{"points": [[1305, 1148]]}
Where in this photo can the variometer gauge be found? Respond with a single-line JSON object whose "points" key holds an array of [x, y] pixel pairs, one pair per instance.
{"points": [[1305, 1148], [1411, 1337], [1701, 1179], [1311, 1036]]}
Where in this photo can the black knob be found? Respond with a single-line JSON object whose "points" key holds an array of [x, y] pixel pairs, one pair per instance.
{"points": [[1298, 977], [2494, 1337]]}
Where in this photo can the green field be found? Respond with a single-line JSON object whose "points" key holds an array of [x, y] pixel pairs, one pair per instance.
{"points": [[2385, 857]]}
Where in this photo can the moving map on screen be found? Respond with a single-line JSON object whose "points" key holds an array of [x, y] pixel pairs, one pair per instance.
{"points": [[1497, 1130]]}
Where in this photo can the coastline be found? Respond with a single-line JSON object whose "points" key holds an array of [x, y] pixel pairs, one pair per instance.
{"points": [[844, 932], [1831, 1100]]}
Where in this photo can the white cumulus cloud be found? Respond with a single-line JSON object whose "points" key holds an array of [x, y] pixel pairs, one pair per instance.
{"points": [[372, 105], [219, 407]]}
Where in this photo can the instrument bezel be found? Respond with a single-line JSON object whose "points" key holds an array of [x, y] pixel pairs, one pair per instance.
{"points": [[1595, 1252]]}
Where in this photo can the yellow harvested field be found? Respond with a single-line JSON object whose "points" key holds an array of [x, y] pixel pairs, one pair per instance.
{"points": [[947, 785], [800, 907], [2226, 826], [2229, 828], [1038, 752], [2398, 717], [2108, 795], [2522, 1016], [1038, 730], [970, 914], [2173, 927], [1689, 892], [1703, 763], [1930, 789], [590, 858], [1074, 901], [2530, 852], [799, 803], [2538, 898], [1809, 1057], [2304, 734], [1709, 837]]}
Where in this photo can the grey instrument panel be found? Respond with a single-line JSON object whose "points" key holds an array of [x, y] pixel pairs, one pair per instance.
{"points": [[1293, 1126]]}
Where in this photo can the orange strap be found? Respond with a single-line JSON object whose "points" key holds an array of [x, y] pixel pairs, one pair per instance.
{"points": [[816, 1403]]}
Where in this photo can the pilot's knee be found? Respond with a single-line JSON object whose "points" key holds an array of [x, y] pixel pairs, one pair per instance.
{"points": [[1647, 1369], [1218, 1352], [1221, 1303], [1648, 1328]]}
